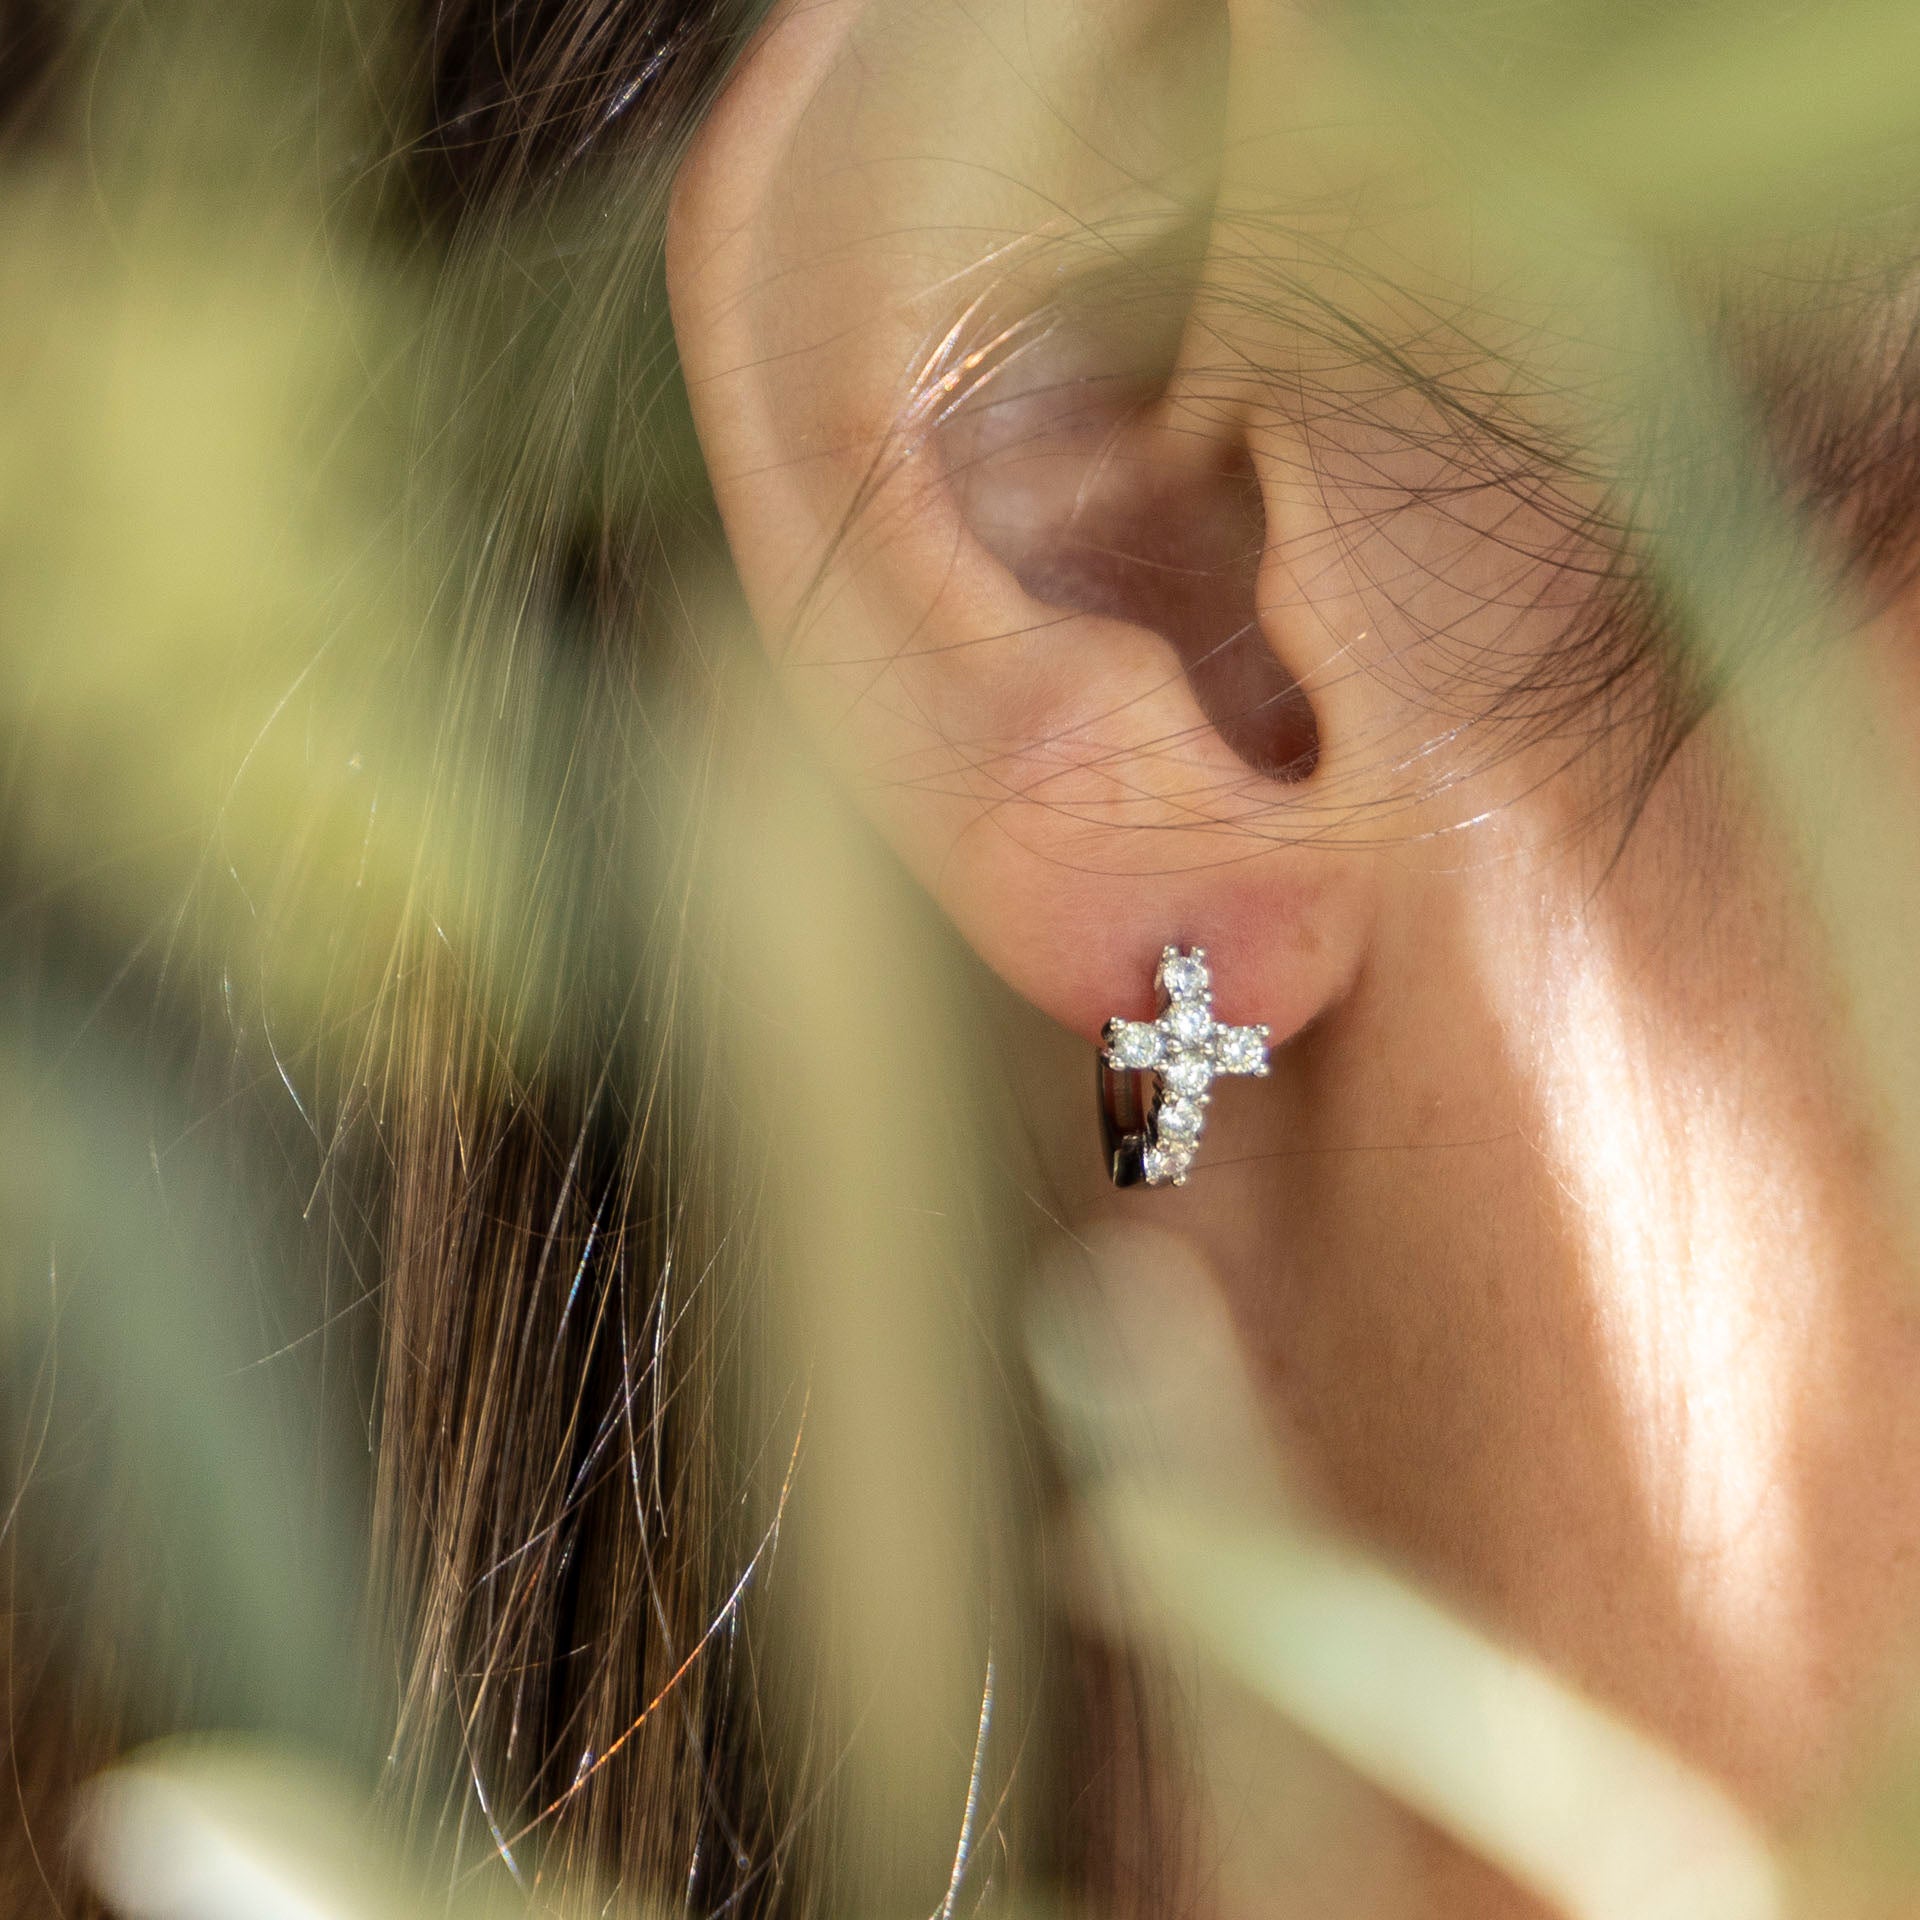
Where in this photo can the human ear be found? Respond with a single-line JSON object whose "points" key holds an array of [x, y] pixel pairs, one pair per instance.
{"points": [[933, 271]]}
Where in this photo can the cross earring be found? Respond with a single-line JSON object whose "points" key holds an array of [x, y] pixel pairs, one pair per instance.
{"points": [[1156, 1075]]}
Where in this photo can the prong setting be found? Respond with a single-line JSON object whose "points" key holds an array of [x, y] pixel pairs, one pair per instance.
{"points": [[1185, 1050]]}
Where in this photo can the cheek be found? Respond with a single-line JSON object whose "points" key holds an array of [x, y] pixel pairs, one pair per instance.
{"points": [[1578, 1286], [1700, 1107]]}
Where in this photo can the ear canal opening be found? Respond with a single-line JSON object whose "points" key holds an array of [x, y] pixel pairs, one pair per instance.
{"points": [[1182, 559], [1070, 474]]}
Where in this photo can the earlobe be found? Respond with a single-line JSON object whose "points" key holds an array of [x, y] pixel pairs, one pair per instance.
{"points": [[1014, 582]]}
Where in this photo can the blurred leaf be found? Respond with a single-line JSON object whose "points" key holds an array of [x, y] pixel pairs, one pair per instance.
{"points": [[1592, 1816], [1697, 119], [1596, 1818], [150, 1301], [223, 1830]]}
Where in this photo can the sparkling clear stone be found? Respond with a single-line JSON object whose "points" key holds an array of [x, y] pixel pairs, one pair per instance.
{"points": [[1187, 1073], [1136, 1043], [1166, 1167], [1178, 1123], [1188, 1021], [1183, 975], [1241, 1049]]}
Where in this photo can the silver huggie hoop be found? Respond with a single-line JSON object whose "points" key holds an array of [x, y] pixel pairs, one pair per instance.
{"points": [[1156, 1075]]}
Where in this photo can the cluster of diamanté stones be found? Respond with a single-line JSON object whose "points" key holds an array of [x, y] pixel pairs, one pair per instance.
{"points": [[1184, 1049]]}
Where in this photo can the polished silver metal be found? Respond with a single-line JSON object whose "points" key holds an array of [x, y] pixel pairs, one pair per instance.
{"points": [[1156, 1076]]}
